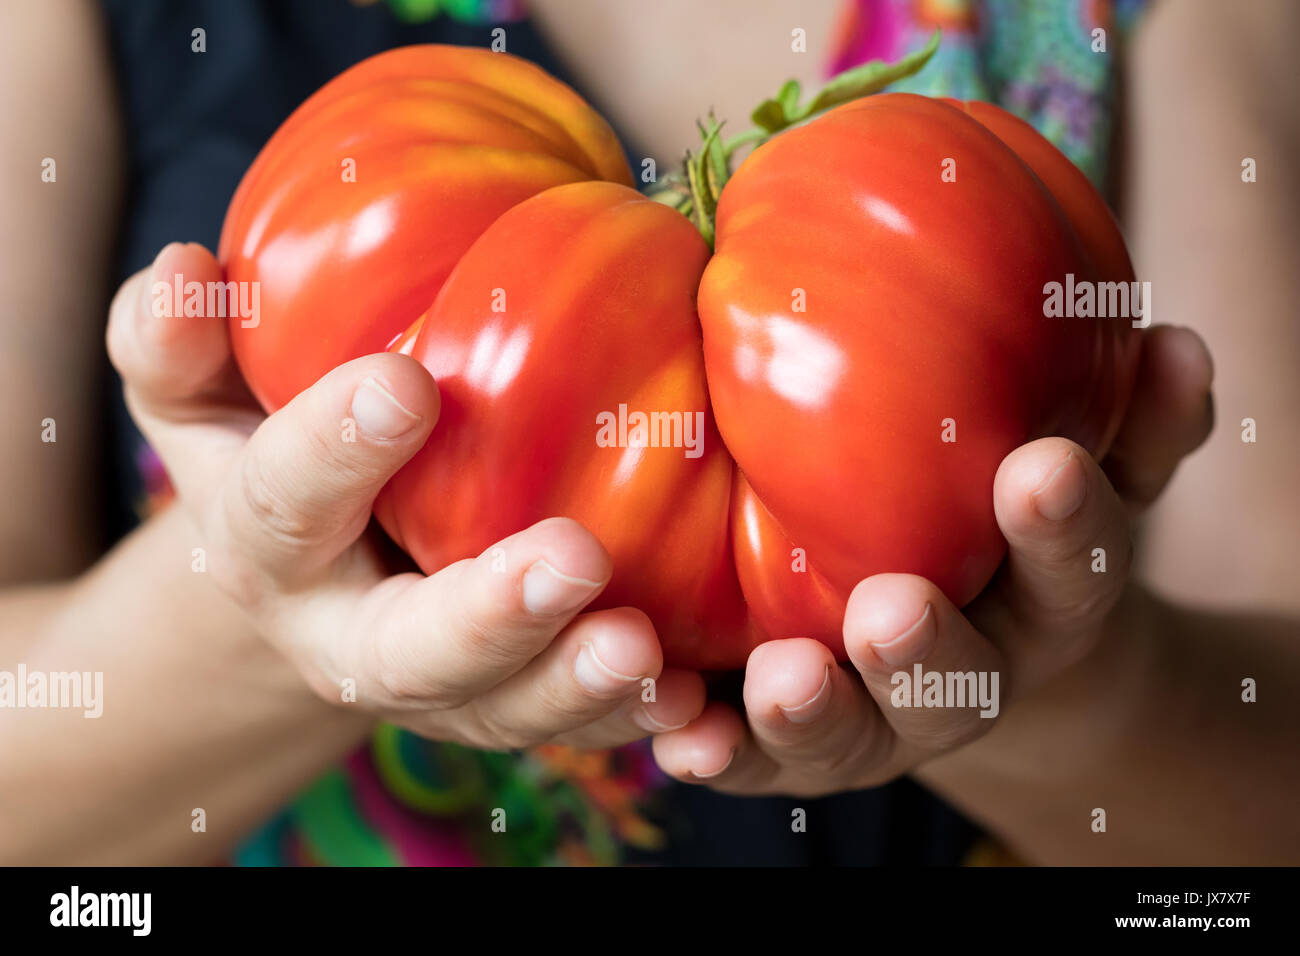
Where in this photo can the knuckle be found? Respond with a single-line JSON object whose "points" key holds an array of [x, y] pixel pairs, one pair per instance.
{"points": [[440, 729], [117, 336], [327, 452], [1091, 604], [230, 569], [865, 753], [831, 766], [1086, 594], [944, 735], [272, 511], [347, 464], [321, 681], [569, 706], [400, 682], [242, 583], [401, 690], [482, 639], [501, 735], [119, 353]]}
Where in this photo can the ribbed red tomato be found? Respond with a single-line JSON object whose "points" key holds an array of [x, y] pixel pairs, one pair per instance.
{"points": [[802, 383], [920, 318], [362, 202], [572, 304]]}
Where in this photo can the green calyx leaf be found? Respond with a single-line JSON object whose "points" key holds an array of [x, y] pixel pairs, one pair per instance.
{"points": [[783, 110], [869, 78], [706, 173], [696, 190], [769, 116], [778, 113]]}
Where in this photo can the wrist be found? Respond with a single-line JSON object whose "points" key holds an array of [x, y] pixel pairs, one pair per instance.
{"points": [[1062, 731]]}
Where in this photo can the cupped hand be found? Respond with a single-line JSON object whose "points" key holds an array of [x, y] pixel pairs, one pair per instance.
{"points": [[811, 727], [492, 652]]}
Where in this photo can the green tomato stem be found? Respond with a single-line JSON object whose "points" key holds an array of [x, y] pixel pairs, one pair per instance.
{"points": [[704, 174]]}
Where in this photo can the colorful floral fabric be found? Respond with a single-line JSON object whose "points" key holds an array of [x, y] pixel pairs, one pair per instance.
{"points": [[1039, 59], [404, 801]]}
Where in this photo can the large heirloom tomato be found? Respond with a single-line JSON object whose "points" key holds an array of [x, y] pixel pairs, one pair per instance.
{"points": [[749, 431], [362, 202], [921, 314]]}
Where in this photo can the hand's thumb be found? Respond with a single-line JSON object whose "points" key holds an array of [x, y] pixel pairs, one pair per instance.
{"points": [[303, 486]]}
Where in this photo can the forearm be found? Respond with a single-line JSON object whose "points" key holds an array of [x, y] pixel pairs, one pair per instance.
{"points": [[1153, 730], [61, 171], [197, 713], [1221, 253]]}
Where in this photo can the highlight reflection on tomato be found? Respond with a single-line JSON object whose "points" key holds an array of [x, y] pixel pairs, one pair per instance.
{"points": [[856, 308]]}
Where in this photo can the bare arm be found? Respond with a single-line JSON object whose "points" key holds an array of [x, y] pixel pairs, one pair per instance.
{"points": [[1153, 728], [197, 713], [1212, 86], [190, 693], [55, 240]]}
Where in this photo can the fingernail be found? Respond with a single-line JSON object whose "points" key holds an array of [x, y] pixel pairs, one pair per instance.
{"points": [[548, 591], [912, 645], [378, 413], [713, 773], [597, 677], [813, 707], [1062, 493], [646, 721]]}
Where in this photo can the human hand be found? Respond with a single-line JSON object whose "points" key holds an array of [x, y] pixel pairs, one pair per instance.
{"points": [[491, 652], [812, 727]]}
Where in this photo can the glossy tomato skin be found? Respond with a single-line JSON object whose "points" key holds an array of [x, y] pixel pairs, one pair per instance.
{"points": [[572, 304], [1117, 350], [362, 202], [786, 594], [858, 311]]}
